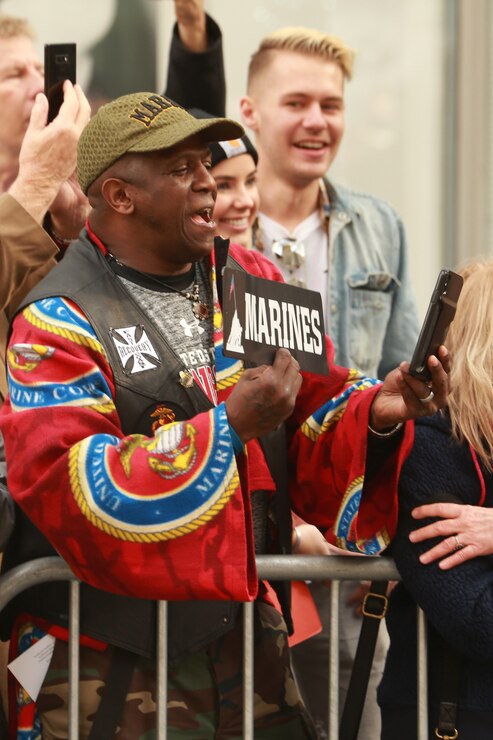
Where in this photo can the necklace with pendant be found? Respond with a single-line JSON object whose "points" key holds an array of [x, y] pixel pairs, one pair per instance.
{"points": [[200, 309]]}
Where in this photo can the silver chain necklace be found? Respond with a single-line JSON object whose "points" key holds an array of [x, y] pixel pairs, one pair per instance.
{"points": [[200, 309]]}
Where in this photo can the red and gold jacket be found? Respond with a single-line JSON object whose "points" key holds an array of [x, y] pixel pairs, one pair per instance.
{"points": [[168, 516]]}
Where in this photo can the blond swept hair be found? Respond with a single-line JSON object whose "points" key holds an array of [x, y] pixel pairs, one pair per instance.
{"points": [[12, 27], [470, 341], [303, 41]]}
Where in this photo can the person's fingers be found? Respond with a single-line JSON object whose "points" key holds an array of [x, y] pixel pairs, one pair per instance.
{"points": [[283, 360], [443, 510], [286, 373], [84, 111], [444, 357], [449, 544], [293, 369], [457, 558], [39, 113], [442, 528], [412, 389], [448, 553], [252, 373], [69, 106], [419, 396], [286, 366], [439, 380]]}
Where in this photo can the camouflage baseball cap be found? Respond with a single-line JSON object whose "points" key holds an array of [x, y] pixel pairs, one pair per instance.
{"points": [[141, 122]]}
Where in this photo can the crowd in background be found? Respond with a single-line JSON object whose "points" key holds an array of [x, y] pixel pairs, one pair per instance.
{"points": [[114, 232]]}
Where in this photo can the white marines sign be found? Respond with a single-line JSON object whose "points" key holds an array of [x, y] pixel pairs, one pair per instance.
{"points": [[260, 316]]}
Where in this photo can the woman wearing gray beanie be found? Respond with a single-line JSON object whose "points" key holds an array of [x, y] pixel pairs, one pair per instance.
{"points": [[234, 168]]}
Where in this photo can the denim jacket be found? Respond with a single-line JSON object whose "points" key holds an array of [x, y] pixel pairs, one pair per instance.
{"points": [[371, 309]]}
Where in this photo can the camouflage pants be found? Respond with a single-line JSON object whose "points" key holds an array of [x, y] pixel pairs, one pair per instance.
{"points": [[204, 691]]}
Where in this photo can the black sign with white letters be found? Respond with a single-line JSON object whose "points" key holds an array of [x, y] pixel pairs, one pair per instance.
{"points": [[260, 316]]}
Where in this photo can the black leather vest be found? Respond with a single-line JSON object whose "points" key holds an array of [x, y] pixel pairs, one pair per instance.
{"points": [[85, 277]]}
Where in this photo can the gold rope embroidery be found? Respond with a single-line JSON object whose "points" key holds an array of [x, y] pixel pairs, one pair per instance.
{"points": [[228, 491], [72, 336]]}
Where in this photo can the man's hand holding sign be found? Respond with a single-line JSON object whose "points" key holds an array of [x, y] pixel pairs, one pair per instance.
{"points": [[260, 316], [264, 396], [278, 328]]}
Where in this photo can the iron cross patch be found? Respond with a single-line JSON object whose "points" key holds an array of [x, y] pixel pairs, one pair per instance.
{"points": [[135, 349]]}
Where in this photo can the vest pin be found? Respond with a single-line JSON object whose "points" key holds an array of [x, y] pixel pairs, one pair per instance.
{"points": [[186, 379]]}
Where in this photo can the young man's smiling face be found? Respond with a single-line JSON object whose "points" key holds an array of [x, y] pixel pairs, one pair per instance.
{"points": [[296, 109]]}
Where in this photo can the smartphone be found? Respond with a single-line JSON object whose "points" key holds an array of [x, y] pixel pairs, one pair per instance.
{"points": [[59, 66], [441, 311]]}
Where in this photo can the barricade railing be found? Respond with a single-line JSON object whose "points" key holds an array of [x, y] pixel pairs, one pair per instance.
{"points": [[270, 567]]}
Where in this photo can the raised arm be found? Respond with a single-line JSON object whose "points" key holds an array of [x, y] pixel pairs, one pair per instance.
{"points": [[47, 159], [196, 67]]}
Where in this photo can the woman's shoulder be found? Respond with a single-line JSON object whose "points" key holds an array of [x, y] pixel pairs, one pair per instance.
{"points": [[438, 465]]}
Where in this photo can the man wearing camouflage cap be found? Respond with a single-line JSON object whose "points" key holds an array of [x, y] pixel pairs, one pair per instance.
{"points": [[145, 470]]}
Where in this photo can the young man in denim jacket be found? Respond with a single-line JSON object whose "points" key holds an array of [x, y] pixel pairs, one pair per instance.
{"points": [[347, 245]]}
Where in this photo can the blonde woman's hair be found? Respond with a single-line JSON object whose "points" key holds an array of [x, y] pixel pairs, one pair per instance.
{"points": [[303, 41], [470, 341], [11, 27]]}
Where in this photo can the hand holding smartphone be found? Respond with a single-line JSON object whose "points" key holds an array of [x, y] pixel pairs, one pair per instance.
{"points": [[440, 313], [60, 65]]}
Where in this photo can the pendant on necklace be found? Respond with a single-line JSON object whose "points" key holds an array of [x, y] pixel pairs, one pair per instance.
{"points": [[200, 310]]}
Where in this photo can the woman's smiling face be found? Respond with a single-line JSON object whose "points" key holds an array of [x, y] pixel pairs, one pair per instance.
{"points": [[237, 198]]}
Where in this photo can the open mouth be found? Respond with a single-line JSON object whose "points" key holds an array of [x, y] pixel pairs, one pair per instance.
{"points": [[204, 217]]}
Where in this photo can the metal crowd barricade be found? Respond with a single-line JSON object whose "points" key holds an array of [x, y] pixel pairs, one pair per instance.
{"points": [[271, 567]]}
